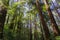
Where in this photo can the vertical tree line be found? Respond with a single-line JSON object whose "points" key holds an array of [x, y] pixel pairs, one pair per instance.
{"points": [[18, 29], [45, 28], [52, 20], [3, 13]]}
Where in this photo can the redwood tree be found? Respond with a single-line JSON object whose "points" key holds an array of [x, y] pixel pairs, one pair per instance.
{"points": [[52, 20], [45, 28]]}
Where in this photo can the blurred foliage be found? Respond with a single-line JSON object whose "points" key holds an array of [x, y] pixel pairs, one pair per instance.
{"points": [[18, 17]]}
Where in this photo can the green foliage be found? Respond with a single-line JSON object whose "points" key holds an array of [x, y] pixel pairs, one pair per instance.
{"points": [[5, 2], [44, 8], [17, 23], [58, 38]]}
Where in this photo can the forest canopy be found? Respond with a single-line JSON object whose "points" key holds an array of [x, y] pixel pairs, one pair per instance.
{"points": [[29, 19]]}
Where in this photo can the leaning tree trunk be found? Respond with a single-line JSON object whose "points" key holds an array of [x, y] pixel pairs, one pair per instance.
{"points": [[53, 22], [45, 28], [2, 20]]}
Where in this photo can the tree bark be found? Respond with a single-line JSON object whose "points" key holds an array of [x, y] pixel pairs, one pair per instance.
{"points": [[35, 29], [45, 28], [53, 22], [3, 13], [30, 30]]}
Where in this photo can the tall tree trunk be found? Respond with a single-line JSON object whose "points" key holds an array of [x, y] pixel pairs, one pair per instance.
{"points": [[2, 20], [53, 22], [35, 29], [19, 28], [30, 30], [45, 28]]}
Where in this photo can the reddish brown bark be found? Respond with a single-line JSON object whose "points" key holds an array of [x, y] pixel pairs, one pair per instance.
{"points": [[53, 22], [45, 28]]}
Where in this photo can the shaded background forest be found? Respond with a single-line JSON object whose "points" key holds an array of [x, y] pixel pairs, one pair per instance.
{"points": [[29, 19]]}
